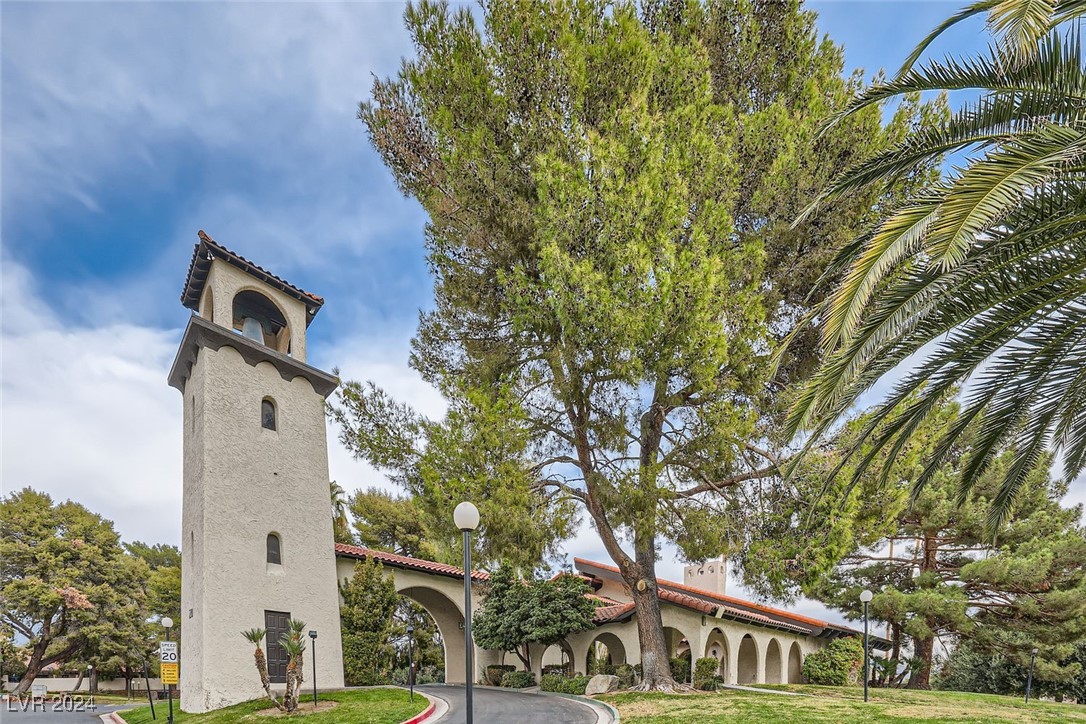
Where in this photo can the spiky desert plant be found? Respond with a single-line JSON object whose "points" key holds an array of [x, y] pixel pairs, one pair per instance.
{"points": [[255, 636], [294, 644]]}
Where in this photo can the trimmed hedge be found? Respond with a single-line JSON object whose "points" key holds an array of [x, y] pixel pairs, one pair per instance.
{"points": [[518, 679], [680, 669], [564, 685], [495, 672], [705, 671]]}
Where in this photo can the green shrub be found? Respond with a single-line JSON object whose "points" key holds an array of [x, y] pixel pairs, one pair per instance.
{"points": [[705, 671], [836, 665], [627, 676], [495, 672], [564, 684], [563, 669], [518, 679], [680, 669]]}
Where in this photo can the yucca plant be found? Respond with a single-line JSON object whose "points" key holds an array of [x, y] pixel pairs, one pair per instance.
{"points": [[255, 636], [982, 276], [294, 644]]}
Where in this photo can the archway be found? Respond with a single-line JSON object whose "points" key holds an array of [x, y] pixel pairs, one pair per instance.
{"points": [[606, 652], [747, 667], [716, 647], [773, 669], [678, 647], [450, 626], [795, 664], [557, 658]]}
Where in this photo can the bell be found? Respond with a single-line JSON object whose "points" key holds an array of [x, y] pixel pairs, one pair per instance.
{"points": [[252, 329]]}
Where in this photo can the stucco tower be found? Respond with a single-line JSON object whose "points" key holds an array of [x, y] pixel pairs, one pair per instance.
{"points": [[257, 544]]}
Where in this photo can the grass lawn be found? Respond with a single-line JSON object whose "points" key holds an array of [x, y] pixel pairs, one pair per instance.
{"points": [[362, 706], [837, 705]]}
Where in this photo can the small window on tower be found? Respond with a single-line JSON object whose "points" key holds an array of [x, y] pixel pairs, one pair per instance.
{"points": [[267, 414], [274, 553]]}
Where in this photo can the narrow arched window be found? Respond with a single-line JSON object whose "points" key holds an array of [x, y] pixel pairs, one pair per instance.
{"points": [[275, 555], [267, 414]]}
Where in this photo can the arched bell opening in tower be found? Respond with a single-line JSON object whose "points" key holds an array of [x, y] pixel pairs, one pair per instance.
{"points": [[257, 318]]}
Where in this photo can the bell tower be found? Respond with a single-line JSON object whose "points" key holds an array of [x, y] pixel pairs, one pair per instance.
{"points": [[257, 544]]}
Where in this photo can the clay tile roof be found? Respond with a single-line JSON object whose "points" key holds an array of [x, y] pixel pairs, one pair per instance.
{"points": [[208, 249], [610, 614], [725, 606], [414, 564]]}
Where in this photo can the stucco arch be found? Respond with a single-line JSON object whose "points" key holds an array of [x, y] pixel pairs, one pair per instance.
{"points": [[559, 654], [611, 649], [747, 665], [716, 647], [450, 624], [795, 664], [774, 665]]}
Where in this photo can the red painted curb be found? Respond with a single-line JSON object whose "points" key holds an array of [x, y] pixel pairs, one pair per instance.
{"points": [[421, 716], [116, 718]]}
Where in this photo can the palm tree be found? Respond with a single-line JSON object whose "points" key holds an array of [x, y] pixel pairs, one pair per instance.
{"points": [[982, 276], [255, 636], [341, 526]]}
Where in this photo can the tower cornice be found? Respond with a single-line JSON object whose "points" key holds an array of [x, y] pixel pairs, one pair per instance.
{"points": [[202, 333]]}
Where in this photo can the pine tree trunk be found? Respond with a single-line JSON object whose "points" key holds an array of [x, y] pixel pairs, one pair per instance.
{"points": [[655, 659], [33, 667], [79, 680], [923, 649]]}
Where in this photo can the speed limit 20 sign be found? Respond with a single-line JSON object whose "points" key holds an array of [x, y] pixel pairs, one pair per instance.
{"points": [[168, 652]]}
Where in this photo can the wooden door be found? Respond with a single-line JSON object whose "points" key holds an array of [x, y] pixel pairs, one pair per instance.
{"points": [[276, 624]]}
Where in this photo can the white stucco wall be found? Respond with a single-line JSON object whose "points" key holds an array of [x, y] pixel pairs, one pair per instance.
{"points": [[242, 482]]}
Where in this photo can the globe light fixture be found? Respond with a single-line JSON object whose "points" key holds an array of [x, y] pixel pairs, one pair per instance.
{"points": [[466, 517]]}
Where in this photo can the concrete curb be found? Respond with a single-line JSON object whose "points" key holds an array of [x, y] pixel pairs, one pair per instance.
{"points": [[437, 709], [423, 715], [112, 718]]}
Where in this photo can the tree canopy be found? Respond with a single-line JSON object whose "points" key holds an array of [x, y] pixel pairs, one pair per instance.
{"points": [[518, 612], [67, 584], [609, 195]]}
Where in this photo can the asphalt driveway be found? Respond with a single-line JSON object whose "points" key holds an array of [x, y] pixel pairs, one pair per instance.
{"points": [[505, 706]]}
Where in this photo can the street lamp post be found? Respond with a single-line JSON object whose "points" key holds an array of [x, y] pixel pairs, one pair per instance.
{"points": [[866, 597], [313, 650], [1029, 679], [167, 623], [466, 517], [411, 660]]}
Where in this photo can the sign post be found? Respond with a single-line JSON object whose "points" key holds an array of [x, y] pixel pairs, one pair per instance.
{"points": [[169, 667]]}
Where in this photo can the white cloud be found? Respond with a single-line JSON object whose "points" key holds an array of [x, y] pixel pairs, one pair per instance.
{"points": [[87, 415]]}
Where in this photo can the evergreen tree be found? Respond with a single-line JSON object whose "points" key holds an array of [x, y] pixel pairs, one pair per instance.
{"points": [[369, 600], [937, 571], [609, 197], [67, 585]]}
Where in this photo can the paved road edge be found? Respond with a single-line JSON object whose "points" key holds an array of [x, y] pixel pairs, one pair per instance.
{"points": [[437, 709], [608, 715]]}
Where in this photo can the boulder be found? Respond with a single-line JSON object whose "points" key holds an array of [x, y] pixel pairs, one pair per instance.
{"points": [[601, 684]]}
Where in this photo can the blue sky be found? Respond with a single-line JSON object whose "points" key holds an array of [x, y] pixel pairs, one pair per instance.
{"points": [[127, 127]]}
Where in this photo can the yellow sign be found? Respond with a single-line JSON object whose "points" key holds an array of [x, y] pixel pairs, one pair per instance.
{"points": [[170, 673]]}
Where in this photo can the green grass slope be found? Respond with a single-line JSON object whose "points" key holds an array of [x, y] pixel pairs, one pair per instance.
{"points": [[362, 706], [834, 705]]}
